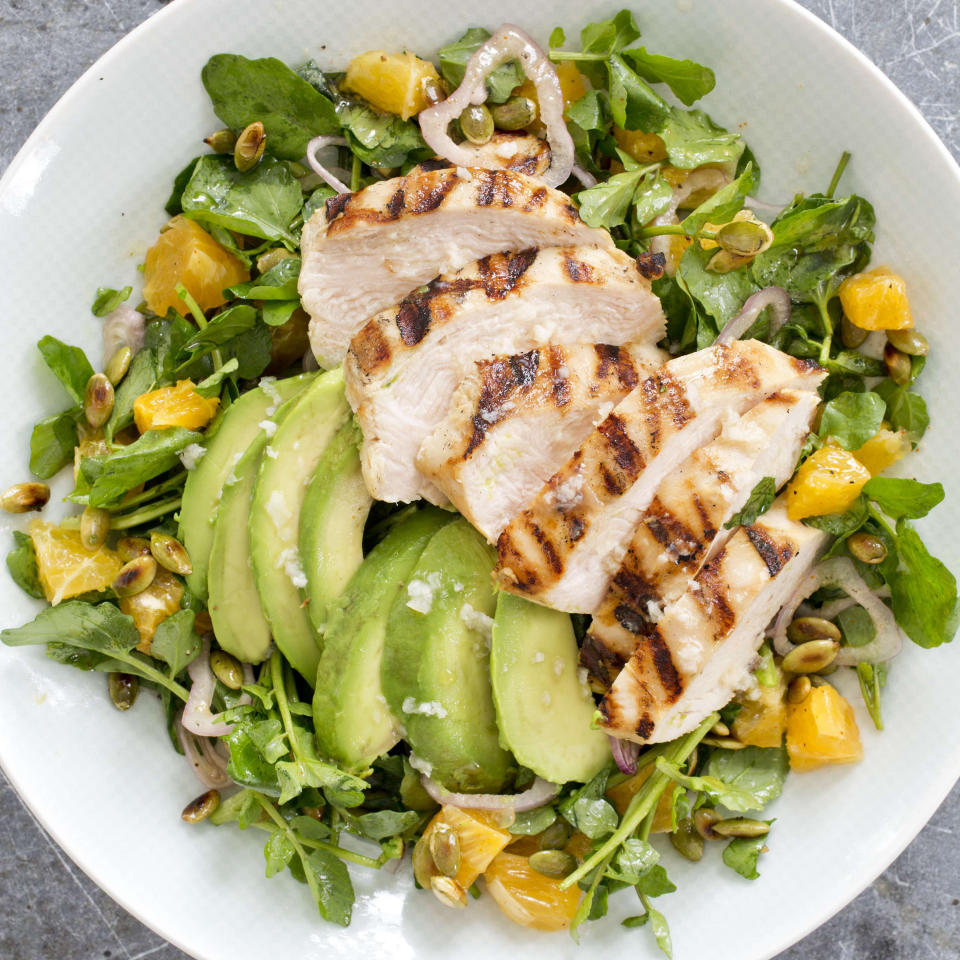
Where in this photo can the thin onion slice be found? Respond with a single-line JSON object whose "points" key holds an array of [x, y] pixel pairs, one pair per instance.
{"points": [[540, 793], [209, 769], [586, 178], [508, 43], [122, 327], [313, 148], [840, 572], [626, 754], [774, 297], [197, 716]]}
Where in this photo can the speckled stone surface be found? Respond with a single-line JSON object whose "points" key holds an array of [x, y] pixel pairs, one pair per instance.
{"points": [[50, 911]]}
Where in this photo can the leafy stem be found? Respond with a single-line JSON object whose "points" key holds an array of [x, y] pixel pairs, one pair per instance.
{"points": [[152, 493], [283, 704], [141, 667], [358, 858], [675, 230], [271, 811], [355, 171], [557, 55], [144, 515], [198, 315], [838, 173]]}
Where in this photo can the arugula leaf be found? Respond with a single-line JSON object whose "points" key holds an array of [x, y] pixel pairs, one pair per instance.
{"points": [[758, 503], [290, 109], [68, 364], [723, 205], [528, 823], [589, 112], [175, 642], [380, 139], [278, 852], [742, 855], [210, 386], [688, 80], [260, 203], [52, 442], [278, 283], [607, 203], [22, 564], [923, 592], [851, 419], [905, 410], [633, 102], [453, 63], [147, 457], [693, 139], [898, 498], [610, 36], [107, 300], [251, 350], [141, 378]]}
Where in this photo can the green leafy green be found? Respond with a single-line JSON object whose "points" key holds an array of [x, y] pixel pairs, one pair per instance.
{"points": [[742, 855], [722, 295], [290, 109], [898, 497], [610, 36], [69, 364], [723, 205], [260, 203], [633, 102], [251, 350], [380, 824], [906, 410], [842, 524], [107, 300], [688, 80], [278, 852], [380, 139], [873, 678], [651, 198], [220, 330], [278, 283], [175, 642], [173, 205], [531, 822], [52, 443], [851, 419], [608, 203], [210, 386], [857, 626], [693, 139], [22, 564], [759, 502], [453, 62], [593, 816], [141, 378], [333, 889]]}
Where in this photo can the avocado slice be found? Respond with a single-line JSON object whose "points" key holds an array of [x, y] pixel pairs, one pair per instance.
{"points": [[331, 523], [233, 602], [544, 707], [288, 463], [435, 671], [353, 722], [234, 431]]}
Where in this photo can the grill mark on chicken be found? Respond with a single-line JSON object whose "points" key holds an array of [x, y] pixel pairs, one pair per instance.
{"points": [[395, 204], [546, 546], [773, 554], [500, 273], [651, 265], [559, 376], [335, 206], [429, 196], [672, 533], [622, 449], [414, 318], [630, 619], [712, 596], [645, 726], [706, 523], [601, 663], [494, 188], [578, 271], [537, 199], [434, 164], [371, 348], [501, 379], [609, 359], [663, 664], [571, 213]]}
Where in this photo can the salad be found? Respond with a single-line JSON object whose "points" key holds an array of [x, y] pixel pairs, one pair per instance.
{"points": [[488, 474]]}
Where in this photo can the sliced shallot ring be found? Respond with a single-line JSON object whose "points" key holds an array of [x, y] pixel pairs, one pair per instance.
{"points": [[313, 147], [197, 716], [537, 795], [122, 327], [626, 754], [774, 297], [207, 770], [508, 43], [586, 178]]}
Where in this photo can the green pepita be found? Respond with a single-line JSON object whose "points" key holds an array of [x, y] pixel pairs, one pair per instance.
{"points": [[119, 364], [24, 497], [201, 808], [98, 400], [123, 688], [911, 342], [445, 849], [899, 365], [556, 836], [516, 114], [477, 124], [424, 869], [703, 821], [799, 689], [135, 576], [433, 91], [226, 669], [170, 553], [221, 141], [553, 863], [94, 527], [249, 147], [745, 238], [741, 827], [719, 729], [723, 743], [812, 628], [128, 548], [811, 657], [448, 891], [267, 261], [867, 548], [687, 841], [851, 335]]}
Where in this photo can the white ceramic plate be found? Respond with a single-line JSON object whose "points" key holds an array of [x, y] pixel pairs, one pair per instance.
{"points": [[79, 206]]}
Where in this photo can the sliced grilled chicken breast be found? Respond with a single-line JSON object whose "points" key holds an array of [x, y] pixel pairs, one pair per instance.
{"points": [[363, 251], [684, 524], [519, 152], [514, 421], [404, 365], [702, 650], [564, 548]]}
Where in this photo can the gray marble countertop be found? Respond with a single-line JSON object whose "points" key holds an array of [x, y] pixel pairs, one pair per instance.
{"points": [[50, 911]]}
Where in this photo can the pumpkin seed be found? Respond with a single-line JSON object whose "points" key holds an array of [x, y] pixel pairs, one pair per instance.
{"points": [[811, 657], [687, 840], [692, 761], [170, 553], [867, 548], [911, 342], [812, 628], [720, 729], [723, 743], [745, 238], [267, 261], [226, 669], [851, 335], [515, 114], [123, 690], [553, 863], [94, 527], [432, 91], [221, 141], [128, 548], [249, 147], [201, 808], [202, 623], [119, 364], [448, 891], [445, 849], [703, 821], [24, 497], [899, 365], [135, 576], [424, 869], [741, 827], [98, 400], [555, 837], [477, 124], [799, 689]]}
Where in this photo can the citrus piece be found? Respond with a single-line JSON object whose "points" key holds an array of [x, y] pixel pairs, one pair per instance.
{"points": [[822, 729], [828, 481], [152, 606], [66, 568], [177, 406], [527, 897], [876, 300], [480, 838], [392, 82]]}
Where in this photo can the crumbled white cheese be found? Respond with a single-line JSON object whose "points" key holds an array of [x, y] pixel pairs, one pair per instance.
{"points": [[191, 455], [464, 174], [290, 561], [507, 149], [232, 476], [538, 657], [457, 587], [545, 698], [268, 427], [278, 511], [559, 665], [418, 763], [654, 611], [270, 452], [568, 493], [268, 384], [430, 708], [475, 620], [583, 676], [421, 592]]}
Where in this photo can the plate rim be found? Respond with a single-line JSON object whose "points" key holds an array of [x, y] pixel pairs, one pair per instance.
{"points": [[936, 789]]}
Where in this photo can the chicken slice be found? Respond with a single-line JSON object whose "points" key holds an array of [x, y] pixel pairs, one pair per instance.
{"points": [[564, 548], [515, 420], [702, 650], [363, 251], [684, 524], [519, 152], [405, 364]]}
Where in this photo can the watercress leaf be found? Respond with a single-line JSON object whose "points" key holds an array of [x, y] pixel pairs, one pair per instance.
{"points": [[639, 921], [260, 203], [380, 139], [898, 497], [759, 501], [52, 443], [594, 817], [241, 808], [742, 855], [853, 363], [453, 62], [101, 628], [633, 102], [661, 930], [69, 364], [905, 410], [22, 564], [147, 457], [722, 295], [141, 378], [290, 109], [634, 859], [531, 822], [210, 386], [220, 330], [655, 882], [381, 824], [723, 205], [923, 591], [681, 311], [278, 283], [165, 338], [247, 765], [335, 895], [251, 350], [276, 313], [175, 642], [173, 205], [278, 852], [315, 201], [851, 419], [693, 139], [857, 626], [760, 771], [607, 203], [688, 80], [268, 737], [310, 829], [842, 524], [107, 300], [610, 36], [651, 198], [589, 112], [557, 38]]}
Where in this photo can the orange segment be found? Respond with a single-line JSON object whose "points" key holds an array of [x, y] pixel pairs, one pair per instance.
{"points": [[822, 729], [66, 568], [643, 147], [876, 300], [185, 253], [527, 897], [152, 606], [179, 406], [392, 82], [621, 795], [761, 722], [827, 482], [883, 450], [480, 839]]}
